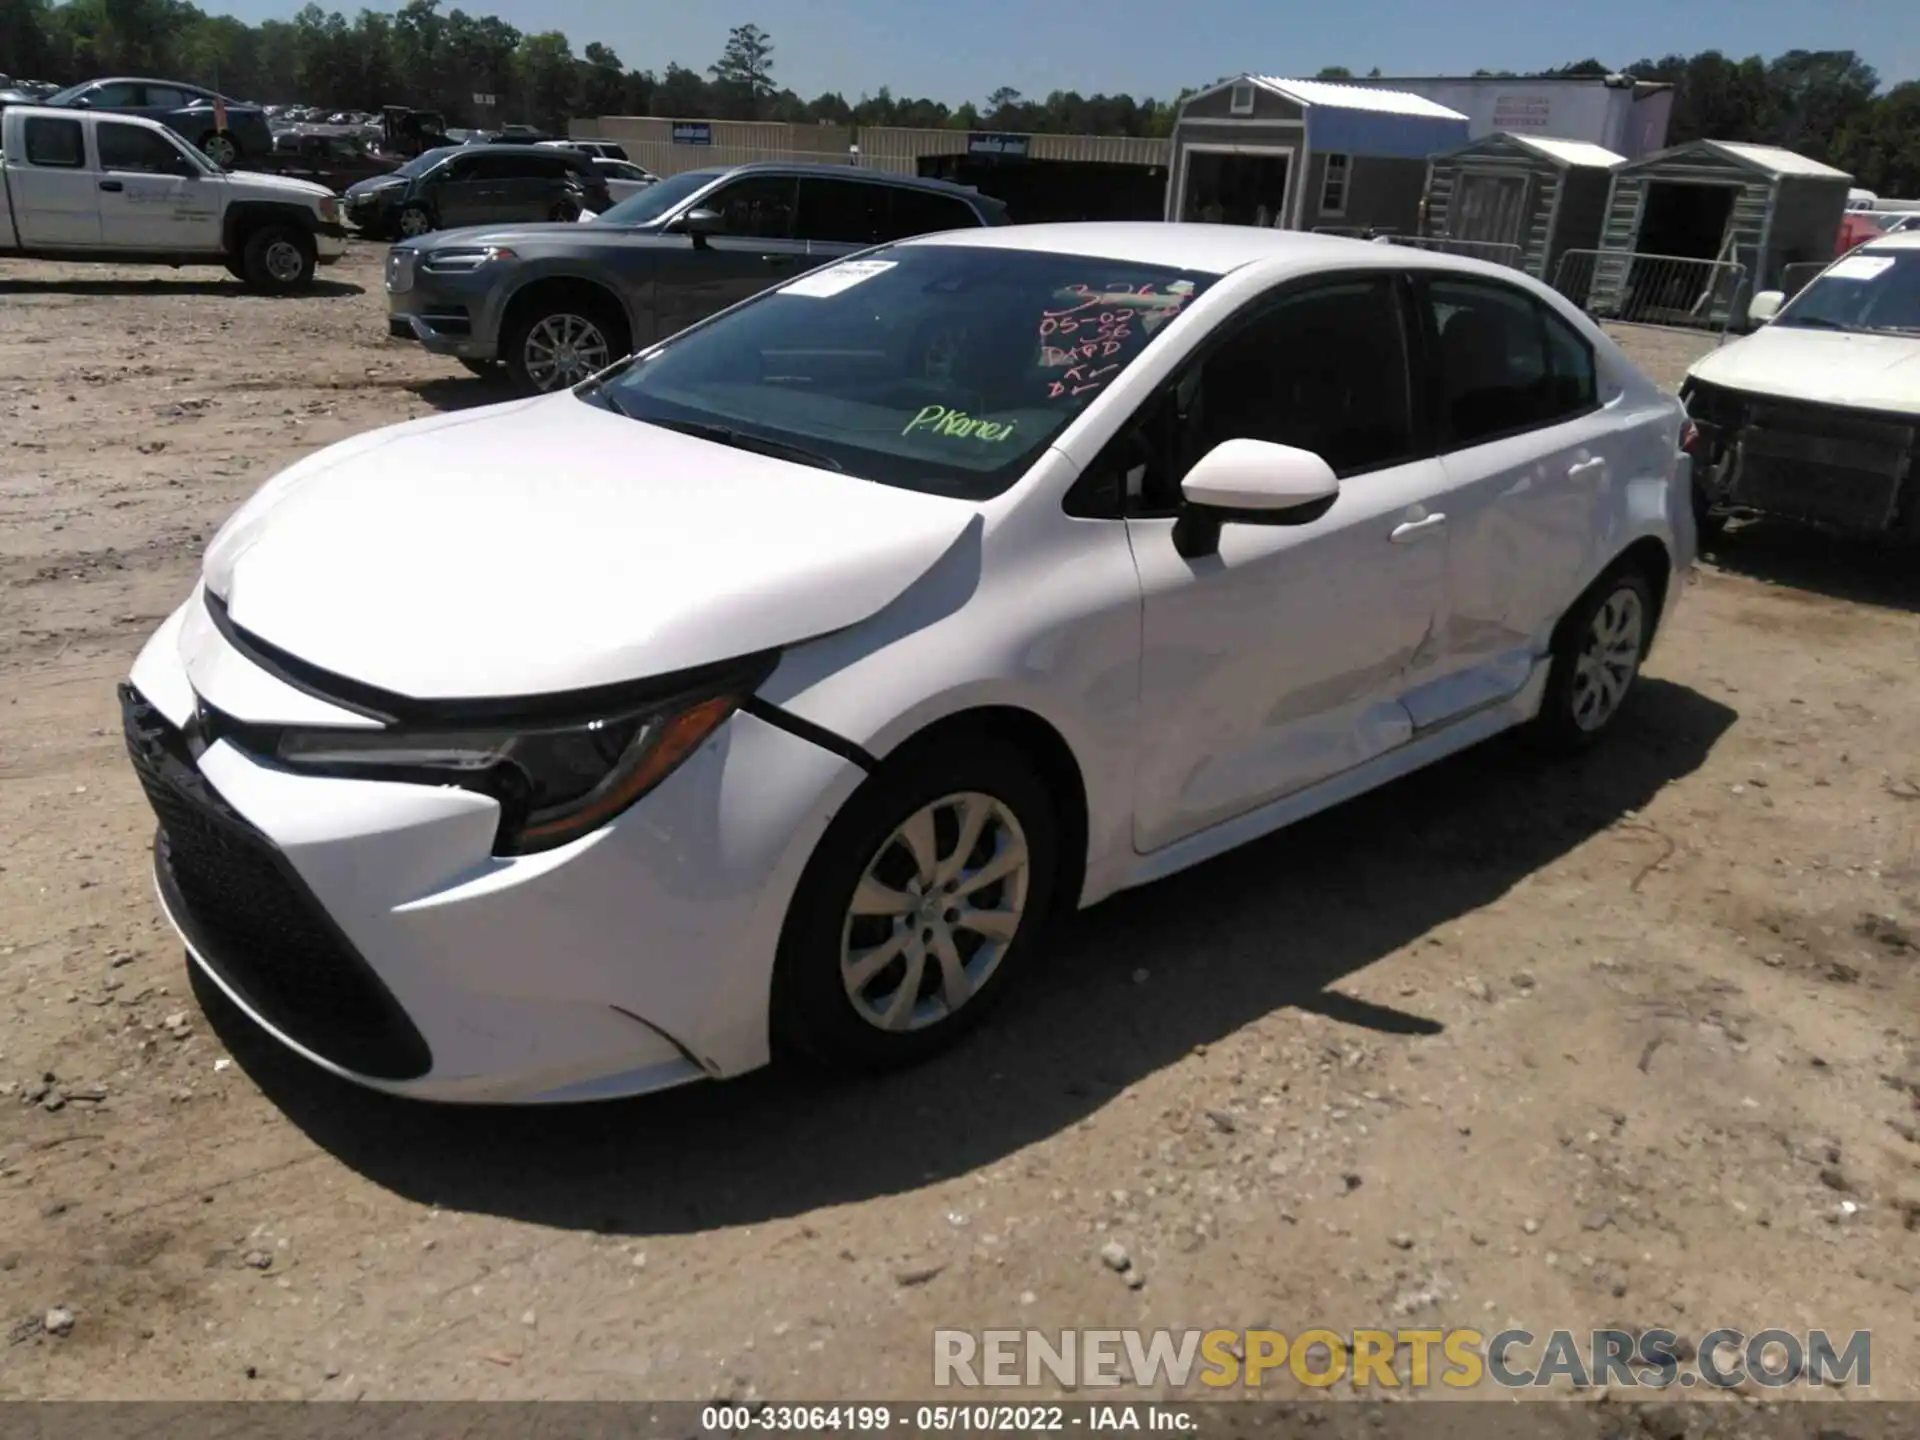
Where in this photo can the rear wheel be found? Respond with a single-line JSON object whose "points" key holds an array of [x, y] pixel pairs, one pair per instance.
{"points": [[920, 907], [554, 345], [1596, 661], [221, 148], [278, 259]]}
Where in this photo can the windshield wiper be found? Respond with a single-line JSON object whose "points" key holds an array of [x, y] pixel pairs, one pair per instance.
{"points": [[741, 440], [1817, 322]]}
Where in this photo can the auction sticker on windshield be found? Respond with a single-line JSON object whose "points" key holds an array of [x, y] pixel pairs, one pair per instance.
{"points": [[1861, 267], [835, 278]]}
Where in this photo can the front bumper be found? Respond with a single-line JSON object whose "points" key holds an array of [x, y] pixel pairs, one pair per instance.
{"points": [[449, 314], [329, 242], [367, 926], [1823, 464]]}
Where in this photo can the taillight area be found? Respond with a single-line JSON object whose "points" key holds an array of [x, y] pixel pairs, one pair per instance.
{"points": [[1690, 438]]}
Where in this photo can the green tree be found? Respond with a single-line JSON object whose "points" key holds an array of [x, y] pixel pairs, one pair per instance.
{"points": [[744, 72]]}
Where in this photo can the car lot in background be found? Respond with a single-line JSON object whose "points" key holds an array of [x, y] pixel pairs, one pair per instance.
{"points": [[460, 185], [1816, 415], [227, 132], [623, 177], [1683, 925], [909, 605], [598, 149], [554, 305]]}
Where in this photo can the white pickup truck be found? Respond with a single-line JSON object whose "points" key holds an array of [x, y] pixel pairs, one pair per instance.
{"points": [[117, 188]]}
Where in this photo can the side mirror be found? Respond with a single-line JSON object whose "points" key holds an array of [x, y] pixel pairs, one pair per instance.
{"points": [[700, 224], [81, 103], [1250, 482], [1765, 306]]}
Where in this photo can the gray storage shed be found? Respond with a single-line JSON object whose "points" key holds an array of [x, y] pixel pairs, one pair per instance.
{"points": [[1305, 154], [1541, 196], [1758, 206]]}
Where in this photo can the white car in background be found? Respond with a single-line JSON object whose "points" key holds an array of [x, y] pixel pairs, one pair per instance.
{"points": [[1816, 415], [768, 693], [623, 177]]}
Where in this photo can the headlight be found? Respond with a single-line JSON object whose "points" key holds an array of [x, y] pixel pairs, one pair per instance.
{"points": [[464, 259], [555, 781], [330, 210]]}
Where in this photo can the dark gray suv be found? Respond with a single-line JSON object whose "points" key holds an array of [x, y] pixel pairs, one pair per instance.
{"points": [[555, 303]]}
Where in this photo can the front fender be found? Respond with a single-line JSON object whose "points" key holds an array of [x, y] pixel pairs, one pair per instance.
{"points": [[635, 298]]}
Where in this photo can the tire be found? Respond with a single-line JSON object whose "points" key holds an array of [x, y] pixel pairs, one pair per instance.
{"points": [[235, 268], [278, 259], [1596, 661], [564, 212], [1707, 523], [221, 148], [413, 221], [551, 346], [815, 1018]]}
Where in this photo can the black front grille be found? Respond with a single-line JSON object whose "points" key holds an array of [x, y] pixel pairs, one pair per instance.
{"points": [[252, 919], [1823, 463]]}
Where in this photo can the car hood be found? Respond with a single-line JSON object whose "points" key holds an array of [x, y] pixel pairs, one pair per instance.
{"points": [[1831, 367], [548, 545], [279, 184], [568, 234], [389, 181]]}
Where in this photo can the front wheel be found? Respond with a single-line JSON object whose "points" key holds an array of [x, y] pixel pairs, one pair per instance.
{"points": [[557, 348], [1596, 660], [278, 259], [414, 221], [922, 904]]}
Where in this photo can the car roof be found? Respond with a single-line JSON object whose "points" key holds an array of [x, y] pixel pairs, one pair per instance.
{"points": [[543, 152], [1899, 240], [1209, 249], [847, 172]]}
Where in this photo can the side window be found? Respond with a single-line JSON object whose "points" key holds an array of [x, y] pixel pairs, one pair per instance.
{"points": [[1333, 188], [1322, 369], [844, 211], [1493, 372], [759, 205], [128, 147], [165, 97], [56, 143], [116, 95], [1576, 385], [921, 212]]}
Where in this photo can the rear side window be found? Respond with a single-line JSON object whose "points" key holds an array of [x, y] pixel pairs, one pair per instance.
{"points": [[128, 147], [844, 211], [56, 143], [614, 152], [920, 212], [1503, 364]]}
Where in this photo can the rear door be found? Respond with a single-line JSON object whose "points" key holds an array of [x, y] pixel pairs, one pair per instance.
{"points": [[146, 201], [838, 217], [1527, 444], [756, 249], [462, 190], [56, 194]]}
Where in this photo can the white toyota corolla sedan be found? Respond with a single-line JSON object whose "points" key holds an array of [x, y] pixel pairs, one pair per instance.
{"points": [[768, 694]]}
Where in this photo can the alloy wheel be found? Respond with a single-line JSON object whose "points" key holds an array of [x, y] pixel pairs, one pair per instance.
{"points": [[414, 223], [563, 350], [222, 151], [1609, 659], [935, 911]]}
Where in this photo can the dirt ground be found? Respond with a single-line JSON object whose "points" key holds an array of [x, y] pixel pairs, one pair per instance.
{"points": [[1632, 1040]]}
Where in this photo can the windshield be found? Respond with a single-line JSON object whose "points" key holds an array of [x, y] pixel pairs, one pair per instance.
{"points": [[71, 93], [657, 199], [943, 368], [1870, 290], [424, 162]]}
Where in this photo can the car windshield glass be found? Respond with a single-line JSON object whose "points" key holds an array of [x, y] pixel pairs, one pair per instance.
{"points": [[943, 368], [656, 200], [420, 164], [1868, 290]]}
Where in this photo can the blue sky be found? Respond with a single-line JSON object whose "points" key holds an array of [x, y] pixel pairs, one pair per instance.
{"points": [[955, 52]]}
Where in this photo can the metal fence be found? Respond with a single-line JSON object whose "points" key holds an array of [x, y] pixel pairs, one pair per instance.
{"points": [[1796, 277], [1498, 252], [1672, 290]]}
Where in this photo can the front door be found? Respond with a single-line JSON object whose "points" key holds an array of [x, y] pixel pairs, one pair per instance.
{"points": [[755, 250], [1279, 661], [459, 192], [1526, 449], [56, 193], [146, 200]]}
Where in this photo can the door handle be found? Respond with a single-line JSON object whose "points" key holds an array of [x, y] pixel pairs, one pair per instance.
{"points": [[1412, 530], [111, 185], [1586, 467]]}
